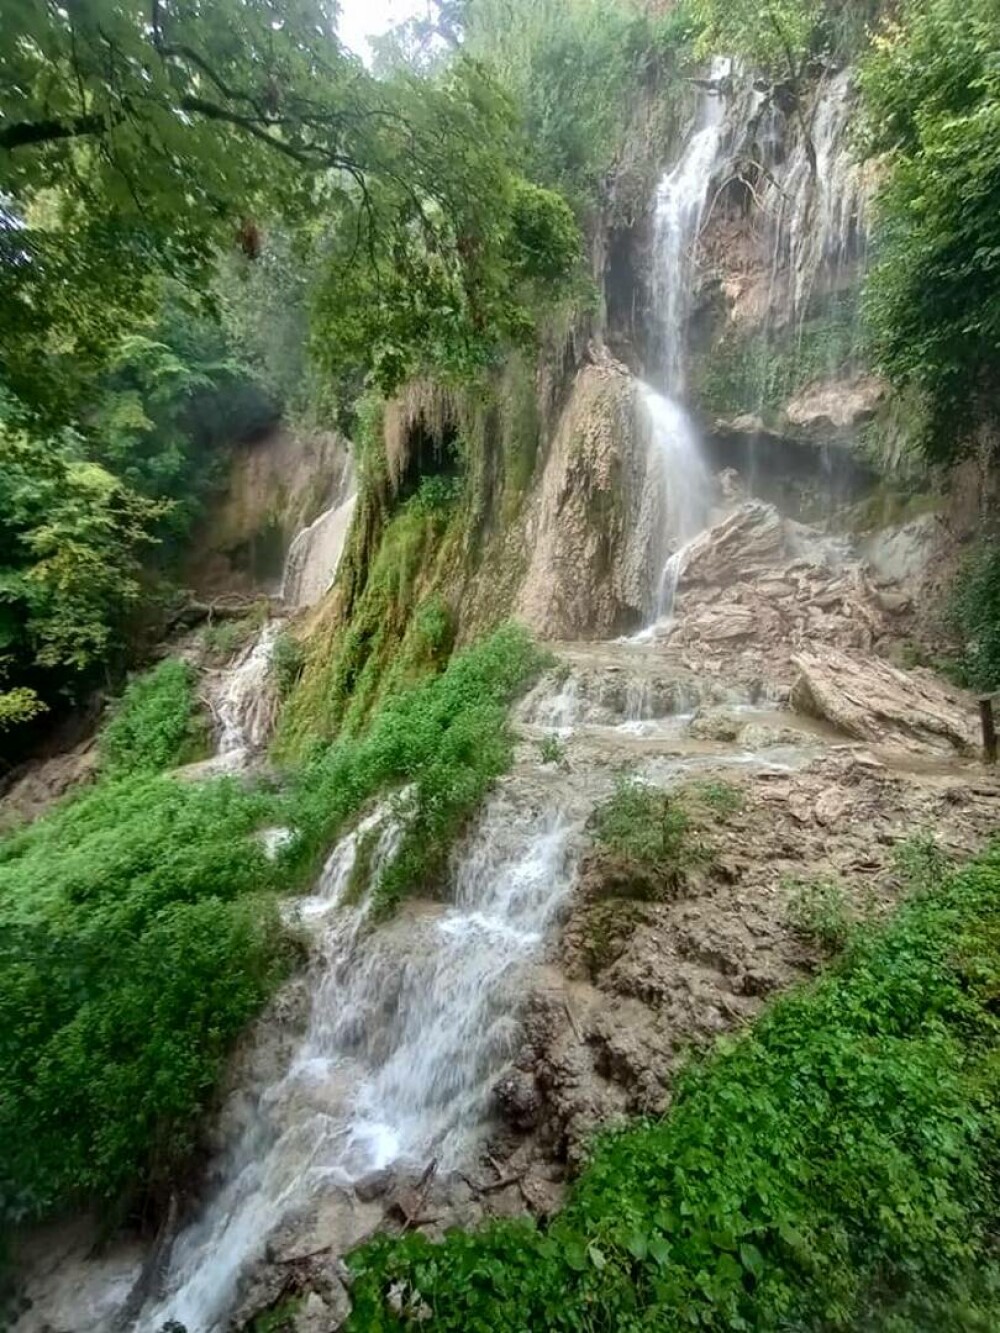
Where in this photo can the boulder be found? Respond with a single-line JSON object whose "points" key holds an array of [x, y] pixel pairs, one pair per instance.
{"points": [[748, 540], [841, 404], [868, 699]]}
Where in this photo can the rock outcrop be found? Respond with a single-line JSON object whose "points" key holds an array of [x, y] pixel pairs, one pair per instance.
{"points": [[587, 534], [872, 701], [756, 589]]}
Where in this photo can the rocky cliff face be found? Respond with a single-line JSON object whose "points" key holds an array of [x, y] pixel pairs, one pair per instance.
{"points": [[275, 486]]}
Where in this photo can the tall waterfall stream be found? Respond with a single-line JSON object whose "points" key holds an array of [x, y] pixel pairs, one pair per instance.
{"points": [[410, 1022]]}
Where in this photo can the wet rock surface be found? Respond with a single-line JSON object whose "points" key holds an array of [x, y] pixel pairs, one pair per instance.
{"points": [[873, 701], [638, 985], [622, 977]]}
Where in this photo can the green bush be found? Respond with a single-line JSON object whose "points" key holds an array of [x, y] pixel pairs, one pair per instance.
{"points": [[134, 947], [288, 660], [552, 750], [832, 1169], [444, 741], [976, 614], [157, 724], [223, 639], [651, 832], [138, 932], [819, 912]]}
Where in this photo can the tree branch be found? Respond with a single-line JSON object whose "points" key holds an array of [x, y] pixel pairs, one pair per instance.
{"points": [[25, 134]]}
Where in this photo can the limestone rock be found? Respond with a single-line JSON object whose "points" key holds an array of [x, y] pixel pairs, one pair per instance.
{"points": [[838, 403], [873, 701], [749, 539], [714, 724], [589, 533]]}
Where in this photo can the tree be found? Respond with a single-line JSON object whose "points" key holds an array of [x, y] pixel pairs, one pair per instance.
{"points": [[932, 95], [140, 135], [69, 563]]}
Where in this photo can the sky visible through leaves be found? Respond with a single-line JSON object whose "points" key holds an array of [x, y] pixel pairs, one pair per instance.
{"points": [[361, 19]]}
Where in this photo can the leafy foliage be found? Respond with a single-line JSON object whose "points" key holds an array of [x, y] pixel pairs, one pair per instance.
{"points": [[932, 92], [133, 949], [287, 662], [69, 551], [157, 725], [776, 35], [138, 933], [442, 742], [818, 910], [976, 613], [833, 1168], [573, 68], [651, 831]]}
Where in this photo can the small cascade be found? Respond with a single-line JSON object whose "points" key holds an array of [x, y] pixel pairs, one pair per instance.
{"points": [[245, 701], [314, 555], [820, 218], [411, 1023], [684, 489]]}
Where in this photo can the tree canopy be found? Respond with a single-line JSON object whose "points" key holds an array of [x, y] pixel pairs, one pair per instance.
{"points": [[152, 154], [932, 90]]}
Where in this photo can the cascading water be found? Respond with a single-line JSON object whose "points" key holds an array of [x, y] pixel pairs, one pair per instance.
{"points": [[684, 489], [314, 555], [410, 1025], [245, 702], [680, 208], [682, 486]]}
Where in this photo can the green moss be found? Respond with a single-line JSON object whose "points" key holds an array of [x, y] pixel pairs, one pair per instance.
{"points": [[753, 372], [393, 633]]}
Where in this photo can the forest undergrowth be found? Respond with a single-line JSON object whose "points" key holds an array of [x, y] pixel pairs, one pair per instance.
{"points": [[139, 929]]}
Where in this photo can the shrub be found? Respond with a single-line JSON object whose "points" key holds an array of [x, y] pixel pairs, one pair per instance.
{"points": [[225, 638], [976, 613], [287, 662], [156, 725], [833, 1168], [551, 750], [818, 911], [134, 946], [650, 831]]}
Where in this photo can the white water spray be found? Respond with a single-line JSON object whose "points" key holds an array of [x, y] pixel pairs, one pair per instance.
{"points": [[314, 555], [679, 479], [245, 704], [680, 207], [411, 1023], [684, 489]]}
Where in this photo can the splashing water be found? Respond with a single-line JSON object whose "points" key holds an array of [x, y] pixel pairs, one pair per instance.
{"points": [[680, 484], [411, 1023], [245, 704], [684, 490]]}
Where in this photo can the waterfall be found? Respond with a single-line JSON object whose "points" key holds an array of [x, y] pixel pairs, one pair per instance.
{"points": [[820, 217], [684, 488], [314, 555], [245, 702], [681, 482], [680, 207], [411, 1023]]}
